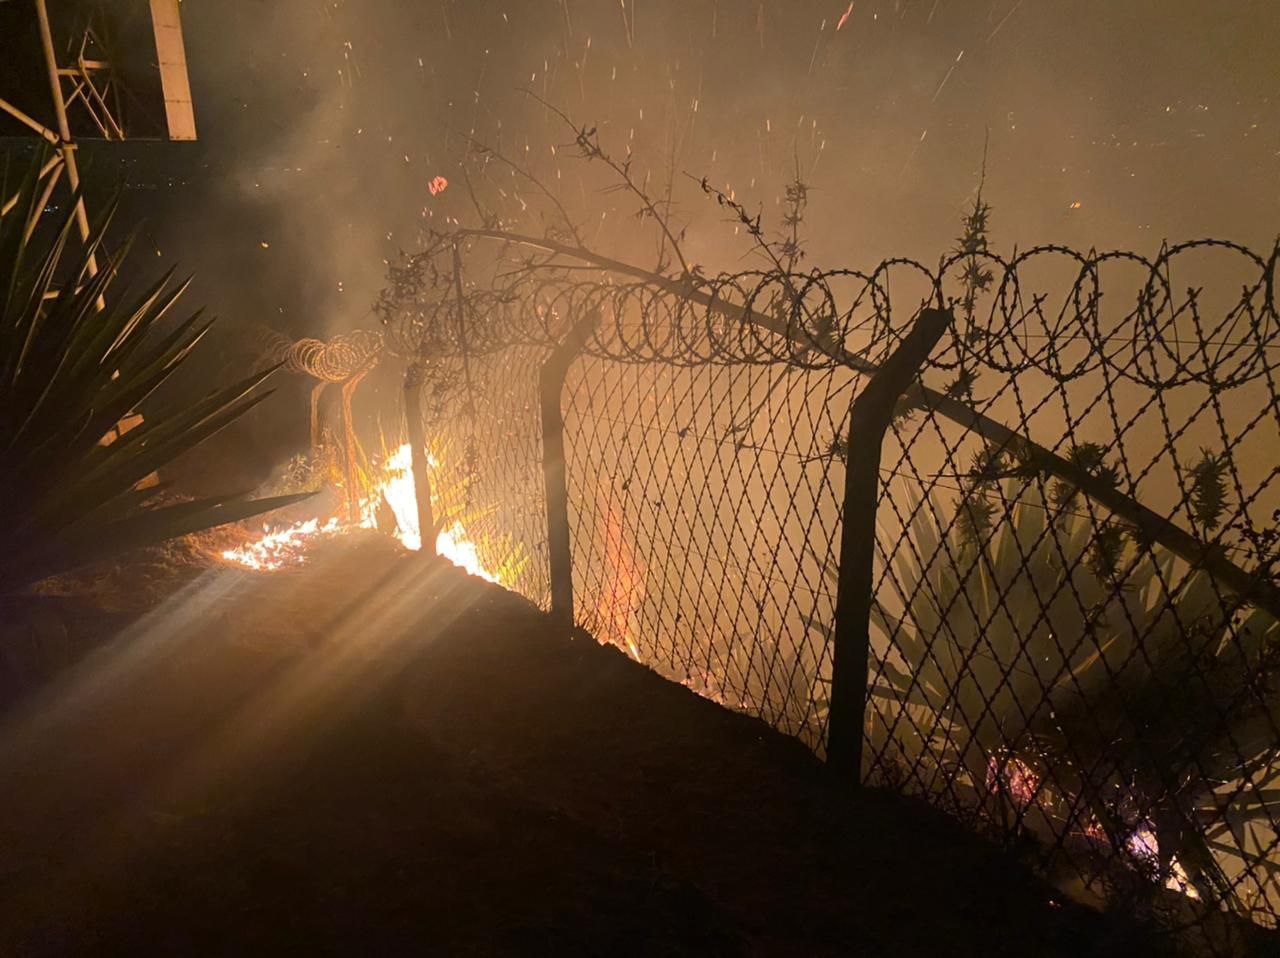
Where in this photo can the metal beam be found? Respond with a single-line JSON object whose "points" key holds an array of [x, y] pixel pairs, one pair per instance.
{"points": [[36, 125], [64, 128], [171, 54]]}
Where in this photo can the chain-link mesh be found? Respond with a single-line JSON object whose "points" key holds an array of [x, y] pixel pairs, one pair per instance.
{"points": [[703, 518], [486, 456], [1041, 664], [1074, 632]]}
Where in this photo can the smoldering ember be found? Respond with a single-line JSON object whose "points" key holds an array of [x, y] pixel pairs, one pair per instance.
{"points": [[639, 477]]}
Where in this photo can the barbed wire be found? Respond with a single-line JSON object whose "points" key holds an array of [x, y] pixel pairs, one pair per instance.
{"points": [[332, 360], [810, 319]]}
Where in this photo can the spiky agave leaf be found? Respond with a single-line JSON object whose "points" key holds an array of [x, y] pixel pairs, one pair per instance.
{"points": [[1150, 683], [73, 363]]}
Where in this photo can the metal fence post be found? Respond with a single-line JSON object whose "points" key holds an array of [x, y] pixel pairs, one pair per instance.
{"points": [[551, 379], [413, 382], [869, 420]]}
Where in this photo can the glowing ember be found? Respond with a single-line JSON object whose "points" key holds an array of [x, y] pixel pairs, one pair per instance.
{"points": [[281, 548], [1013, 777], [1144, 846]]}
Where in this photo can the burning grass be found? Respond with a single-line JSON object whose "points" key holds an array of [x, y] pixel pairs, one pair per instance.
{"points": [[385, 503]]}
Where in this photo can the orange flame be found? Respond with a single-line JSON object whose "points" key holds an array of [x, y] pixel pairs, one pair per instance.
{"points": [[288, 546], [624, 587]]}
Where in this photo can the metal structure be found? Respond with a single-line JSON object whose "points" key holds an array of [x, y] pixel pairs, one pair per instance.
{"points": [[82, 83], [171, 57], [1048, 604]]}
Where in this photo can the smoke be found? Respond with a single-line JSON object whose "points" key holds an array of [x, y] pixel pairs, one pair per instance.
{"points": [[322, 123], [1110, 123]]}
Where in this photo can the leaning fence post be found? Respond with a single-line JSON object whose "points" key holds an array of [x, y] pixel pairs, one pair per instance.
{"points": [[551, 379], [413, 381], [869, 420]]}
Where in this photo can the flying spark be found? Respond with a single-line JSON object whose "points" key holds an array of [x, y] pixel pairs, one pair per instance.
{"points": [[938, 92]]}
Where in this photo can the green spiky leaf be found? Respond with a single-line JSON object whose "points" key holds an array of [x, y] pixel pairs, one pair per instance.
{"points": [[75, 360]]}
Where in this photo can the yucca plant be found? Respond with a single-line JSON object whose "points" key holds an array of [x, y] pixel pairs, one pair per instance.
{"points": [[1063, 671], [76, 357]]}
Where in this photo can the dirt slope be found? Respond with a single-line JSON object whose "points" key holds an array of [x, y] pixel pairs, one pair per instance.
{"points": [[374, 757]]}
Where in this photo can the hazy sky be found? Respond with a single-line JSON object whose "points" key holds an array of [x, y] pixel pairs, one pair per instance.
{"points": [[1111, 123], [322, 122]]}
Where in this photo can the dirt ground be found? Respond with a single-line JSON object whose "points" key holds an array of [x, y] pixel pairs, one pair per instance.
{"points": [[375, 756]]}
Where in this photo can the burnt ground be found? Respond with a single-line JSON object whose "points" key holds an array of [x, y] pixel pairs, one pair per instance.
{"points": [[372, 756]]}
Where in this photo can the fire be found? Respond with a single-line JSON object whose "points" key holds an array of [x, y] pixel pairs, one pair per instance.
{"points": [[1012, 776], [279, 548], [453, 544], [397, 488], [625, 587], [288, 546]]}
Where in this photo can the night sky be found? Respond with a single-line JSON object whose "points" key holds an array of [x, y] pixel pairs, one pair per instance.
{"points": [[1111, 123]]}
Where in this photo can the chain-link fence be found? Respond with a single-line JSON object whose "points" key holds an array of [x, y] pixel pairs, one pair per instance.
{"points": [[1070, 533]]}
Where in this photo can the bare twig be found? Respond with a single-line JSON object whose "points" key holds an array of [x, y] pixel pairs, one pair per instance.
{"points": [[587, 140]]}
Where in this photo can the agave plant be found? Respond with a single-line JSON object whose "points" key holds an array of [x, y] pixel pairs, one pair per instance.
{"points": [[1085, 680], [75, 358]]}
